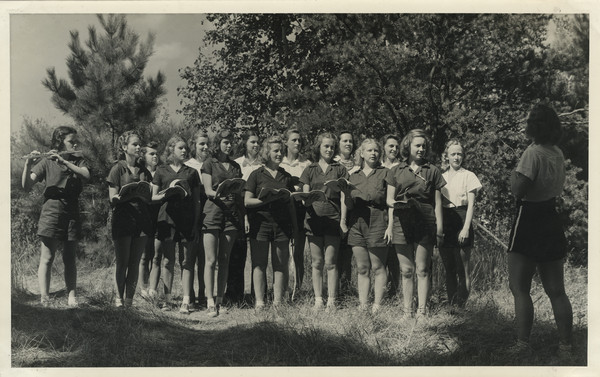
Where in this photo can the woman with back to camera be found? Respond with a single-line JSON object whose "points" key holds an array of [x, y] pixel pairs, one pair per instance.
{"points": [[223, 218], [458, 198], [537, 239], [131, 222], [369, 232], [414, 184], [63, 169], [271, 223], [294, 163]]}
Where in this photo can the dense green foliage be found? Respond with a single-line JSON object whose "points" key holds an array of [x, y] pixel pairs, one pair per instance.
{"points": [[468, 76]]}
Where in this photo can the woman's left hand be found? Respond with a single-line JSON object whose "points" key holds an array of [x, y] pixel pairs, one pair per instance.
{"points": [[463, 236]]}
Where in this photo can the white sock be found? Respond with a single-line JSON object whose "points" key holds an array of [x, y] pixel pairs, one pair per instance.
{"points": [[318, 300], [210, 302], [186, 300]]}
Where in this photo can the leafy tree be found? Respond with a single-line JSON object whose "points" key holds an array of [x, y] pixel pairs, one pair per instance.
{"points": [[468, 76], [107, 93]]}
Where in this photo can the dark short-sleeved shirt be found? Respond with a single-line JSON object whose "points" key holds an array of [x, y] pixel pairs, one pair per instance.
{"points": [[60, 176], [420, 186], [217, 171], [277, 211], [374, 185], [120, 175], [176, 211], [314, 177]]}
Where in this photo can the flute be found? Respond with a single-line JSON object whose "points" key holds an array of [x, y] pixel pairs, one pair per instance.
{"points": [[63, 154]]}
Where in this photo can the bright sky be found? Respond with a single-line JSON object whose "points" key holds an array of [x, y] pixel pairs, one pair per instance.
{"points": [[39, 41]]}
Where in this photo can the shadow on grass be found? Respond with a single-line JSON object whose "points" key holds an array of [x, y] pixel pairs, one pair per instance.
{"points": [[482, 337], [106, 337]]}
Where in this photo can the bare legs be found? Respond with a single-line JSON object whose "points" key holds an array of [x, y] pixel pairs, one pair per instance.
{"points": [[47, 253], [520, 273], [279, 259], [128, 251], [415, 258], [217, 247], [323, 251]]}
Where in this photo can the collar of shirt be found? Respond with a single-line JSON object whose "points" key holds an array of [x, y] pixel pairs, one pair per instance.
{"points": [[372, 171], [244, 161], [293, 163], [404, 164]]}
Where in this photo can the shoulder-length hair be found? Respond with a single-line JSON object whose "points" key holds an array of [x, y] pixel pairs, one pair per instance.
{"points": [[407, 141], [59, 135], [317, 146], [242, 147], [122, 141], [267, 145], [215, 145], [360, 161], [170, 147], [192, 143], [543, 125], [445, 165]]}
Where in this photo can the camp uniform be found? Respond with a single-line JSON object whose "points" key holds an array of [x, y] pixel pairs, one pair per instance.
{"points": [[132, 218], [458, 185], [323, 218], [193, 163], [415, 224], [248, 166], [367, 221], [271, 221], [223, 215], [537, 231], [59, 218], [176, 214], [296, 168]]}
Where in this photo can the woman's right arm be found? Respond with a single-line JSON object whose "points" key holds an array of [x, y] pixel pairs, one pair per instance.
{"points": [[28, 178], [250, 200], [207, 179], [391, 194]]}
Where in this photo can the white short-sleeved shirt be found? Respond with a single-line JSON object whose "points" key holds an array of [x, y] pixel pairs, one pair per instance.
{"points": [[248, 166], [296, 167], [193, 163], [458, 184], [545, 166]]}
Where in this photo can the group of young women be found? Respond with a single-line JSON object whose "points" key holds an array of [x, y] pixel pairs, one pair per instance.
{"points": [[389, 211]]}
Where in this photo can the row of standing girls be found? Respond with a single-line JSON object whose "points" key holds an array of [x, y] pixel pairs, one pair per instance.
{"points": [[207, 227], [399, 198]]}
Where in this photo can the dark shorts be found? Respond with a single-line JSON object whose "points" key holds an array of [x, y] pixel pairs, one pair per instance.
{"points": [[414, 225], [166, 231], [223, 217], [319, 226], [131, 220], [454, 219], [270, 231], [537, 232], [60, 220], [367, 228]]}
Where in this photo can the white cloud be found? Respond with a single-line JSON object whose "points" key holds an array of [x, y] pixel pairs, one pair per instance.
{"points": [[167, 52]]}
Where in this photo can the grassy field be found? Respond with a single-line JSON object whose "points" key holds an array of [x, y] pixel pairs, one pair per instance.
{"points": [[99, 335]]}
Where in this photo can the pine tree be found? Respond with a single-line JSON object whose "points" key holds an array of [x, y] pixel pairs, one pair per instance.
{"points": [[107, 92]]}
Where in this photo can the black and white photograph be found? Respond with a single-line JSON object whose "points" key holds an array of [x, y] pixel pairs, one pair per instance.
{"points": [[223, 185]]}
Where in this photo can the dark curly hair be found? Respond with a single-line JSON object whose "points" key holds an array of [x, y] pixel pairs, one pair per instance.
{"points": [[407, 140], [543, 125], [59, 135]]}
